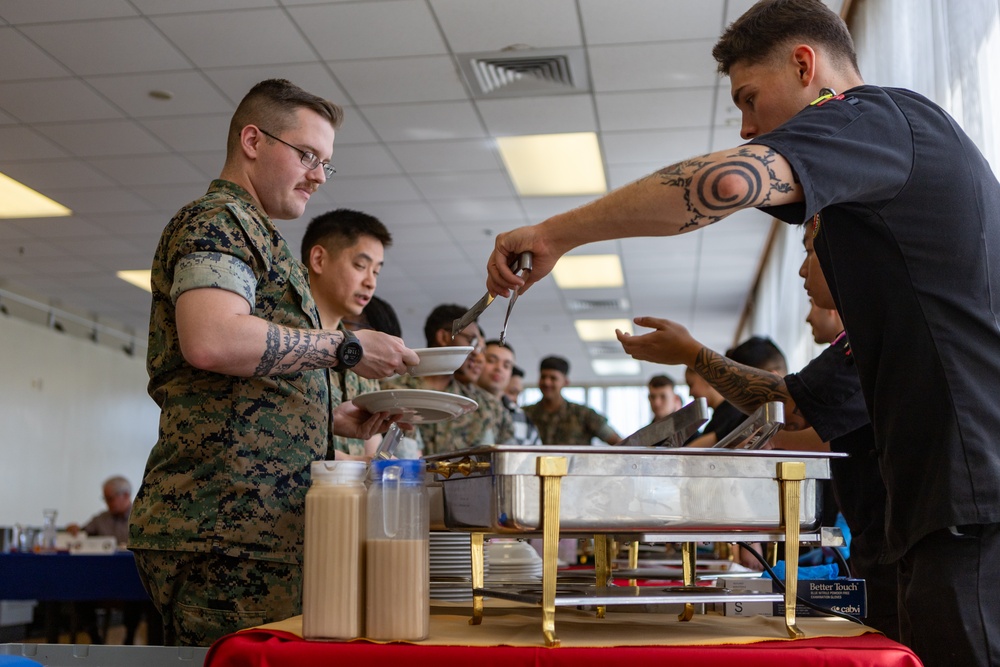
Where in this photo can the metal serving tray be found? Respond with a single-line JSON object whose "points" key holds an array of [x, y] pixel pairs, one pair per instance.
{"points": [[495, 489]]}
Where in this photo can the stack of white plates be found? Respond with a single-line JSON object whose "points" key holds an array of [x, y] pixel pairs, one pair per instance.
{"points": [[512, 561], [451, 566]]}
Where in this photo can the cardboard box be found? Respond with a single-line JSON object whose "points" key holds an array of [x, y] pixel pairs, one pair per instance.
{"points": [[847, 596]]}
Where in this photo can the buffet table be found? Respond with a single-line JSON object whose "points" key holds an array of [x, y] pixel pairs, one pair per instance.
{"points": [[510, 637]]}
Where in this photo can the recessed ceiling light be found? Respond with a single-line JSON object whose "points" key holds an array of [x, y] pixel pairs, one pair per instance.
{"points": [[137, 277], [593, 330], [19, 201], [554, 164], [588, 271], [616, 366]]}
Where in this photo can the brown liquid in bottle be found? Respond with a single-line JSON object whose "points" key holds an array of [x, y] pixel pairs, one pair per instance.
{"points": [[395, 611]]}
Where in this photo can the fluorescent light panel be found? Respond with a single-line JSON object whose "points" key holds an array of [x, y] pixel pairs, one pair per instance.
{"points": [[19, 201], [138, 277], [588, 271], [616, 366], [554, 164], [596, 330]]}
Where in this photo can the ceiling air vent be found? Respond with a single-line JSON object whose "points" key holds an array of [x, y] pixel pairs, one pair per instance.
{"points": [[524, 73], [592, 305]]}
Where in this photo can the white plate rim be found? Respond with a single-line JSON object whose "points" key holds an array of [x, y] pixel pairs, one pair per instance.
{"points": [[409, 402]]}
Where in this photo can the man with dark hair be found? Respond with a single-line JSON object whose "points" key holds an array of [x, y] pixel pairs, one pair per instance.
{"points": [[490, 424], [560, 422], [663, 400], [344, 251], [907, 218], [495, 378], [760, 352], [515, 385], [239, 367]]}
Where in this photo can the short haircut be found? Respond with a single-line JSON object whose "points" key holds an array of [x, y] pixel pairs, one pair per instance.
{"points": [[496, 342], [271, 105], [759, 352], [381, 316], [754, 37], [554, 363], [658, 381], [118, 485], [442, 317], [341, 228], [517, 372]]}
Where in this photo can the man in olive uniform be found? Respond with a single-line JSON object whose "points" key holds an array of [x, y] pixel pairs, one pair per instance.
{"points": [[490, 424], [239, 367], [559, 421], [344, 251]]}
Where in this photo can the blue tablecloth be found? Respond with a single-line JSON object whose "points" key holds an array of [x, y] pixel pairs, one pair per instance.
{"points": [[62, 576]]}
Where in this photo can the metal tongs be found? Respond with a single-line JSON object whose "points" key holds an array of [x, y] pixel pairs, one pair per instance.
{"points": [[521, 266], [757, 429], [389, 441]]}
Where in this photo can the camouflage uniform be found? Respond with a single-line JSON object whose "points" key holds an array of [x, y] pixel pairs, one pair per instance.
{"points": [[345, 386], [489, 425], [571, 424], [230, 469]]}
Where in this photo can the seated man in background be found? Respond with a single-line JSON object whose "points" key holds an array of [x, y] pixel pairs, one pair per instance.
{"points": [[559, 421], [490, 424], [495, 379], [515, 385], [344, 251], [663, 400]]}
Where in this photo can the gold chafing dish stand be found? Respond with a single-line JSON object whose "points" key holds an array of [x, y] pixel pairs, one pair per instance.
{"points": [[651, 494]]}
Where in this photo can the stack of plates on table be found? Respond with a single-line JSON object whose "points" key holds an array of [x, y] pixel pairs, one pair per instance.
{"points": [[512, 561], [451, 566]]}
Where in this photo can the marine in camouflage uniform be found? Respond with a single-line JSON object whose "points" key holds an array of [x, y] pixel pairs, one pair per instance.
{"points": [[345, 386], [230, 469], [571, 424], [491, 424]]}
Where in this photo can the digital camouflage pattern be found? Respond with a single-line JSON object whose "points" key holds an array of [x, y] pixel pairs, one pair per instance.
{"points": [[489, 425], [230, 468], [203, 597], [345, 386], [571, 424]]}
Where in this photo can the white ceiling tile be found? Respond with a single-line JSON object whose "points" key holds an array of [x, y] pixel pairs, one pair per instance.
{"points": [[428, 156], [45, 11], [192, 94], [541, 208], [209, 162], [191, 133], [363, 160], [22, 143], [54, 100], [314, 77], [486, 25], [247, 37], [640, 66], [44, 175], [655, 109], [403, 214], [99, 200], [629, 21], [154, 7], [148, 170], [351, 31], [170, 197], [461, 185], [57, 228], [400, 80], [372, 189], [424, 122], [663, 146], [138, 225], [24, 60], [103, 138], [623, 174], [539, 115], [480, 209], [112, 46]]}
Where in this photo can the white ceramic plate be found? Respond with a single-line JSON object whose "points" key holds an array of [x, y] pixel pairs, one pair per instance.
{"points": [[439, 360], [417, 406]]}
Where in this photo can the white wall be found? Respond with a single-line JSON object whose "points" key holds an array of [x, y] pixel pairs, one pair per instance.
{"points": [[72, 413]]}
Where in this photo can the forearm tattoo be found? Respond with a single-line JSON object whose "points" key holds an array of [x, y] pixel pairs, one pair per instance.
{"points": [[700, 178], [745, 387], [289, 350]]}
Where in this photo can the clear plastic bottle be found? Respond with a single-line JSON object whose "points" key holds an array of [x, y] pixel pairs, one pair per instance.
{"points": [[398, 552], [47, 537], [333, 561]]}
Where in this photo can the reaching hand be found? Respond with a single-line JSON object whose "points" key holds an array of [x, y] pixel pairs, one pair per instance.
{"points": [[509, 246], [668, 343], [384, 355], [350, 421]]}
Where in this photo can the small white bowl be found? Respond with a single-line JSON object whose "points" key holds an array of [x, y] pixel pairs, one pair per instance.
{"points": [[439, 360]]}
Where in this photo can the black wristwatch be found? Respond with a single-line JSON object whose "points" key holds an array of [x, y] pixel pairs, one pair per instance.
{"points": [[350, 352]]}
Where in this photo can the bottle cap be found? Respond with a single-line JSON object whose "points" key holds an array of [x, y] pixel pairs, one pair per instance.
{"points": [[338, 472], [411, 470]]}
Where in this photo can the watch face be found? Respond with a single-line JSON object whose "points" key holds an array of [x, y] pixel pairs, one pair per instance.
{"points": [[350, 353]]}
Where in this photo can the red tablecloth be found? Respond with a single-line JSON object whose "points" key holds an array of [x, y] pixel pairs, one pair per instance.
{"points": [[279, 649]]}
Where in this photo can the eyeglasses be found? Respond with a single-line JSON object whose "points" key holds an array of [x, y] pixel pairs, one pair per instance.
{"points": [[309, 160], [473, 340]]}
